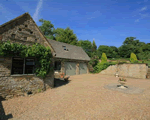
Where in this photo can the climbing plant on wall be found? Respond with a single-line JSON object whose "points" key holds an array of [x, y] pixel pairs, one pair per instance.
{"points": [[40, 52]]}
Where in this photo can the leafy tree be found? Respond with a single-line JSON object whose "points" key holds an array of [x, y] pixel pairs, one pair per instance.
{"points": [[130, 45], [65, 35], [144, 53], [94, 47], [133, 58], [126, 50], [104, 58], [86, 45], [46, 27], [111, 51]]}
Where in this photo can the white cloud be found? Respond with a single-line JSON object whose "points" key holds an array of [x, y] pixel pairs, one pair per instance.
{"points": [[137, 20], [36, 14], [144, 8]]}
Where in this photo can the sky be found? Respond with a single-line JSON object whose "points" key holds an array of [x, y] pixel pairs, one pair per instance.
{"points": [[108, 22]]}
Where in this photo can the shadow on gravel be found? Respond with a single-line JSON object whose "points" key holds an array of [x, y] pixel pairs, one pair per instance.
{"points": [[59, 83], [2, 112]]}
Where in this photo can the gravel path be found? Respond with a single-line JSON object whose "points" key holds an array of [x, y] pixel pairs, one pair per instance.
{"points": [[85, 97]]}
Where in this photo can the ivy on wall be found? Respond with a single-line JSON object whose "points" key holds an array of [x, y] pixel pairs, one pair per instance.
{"points": [[40, 52]]}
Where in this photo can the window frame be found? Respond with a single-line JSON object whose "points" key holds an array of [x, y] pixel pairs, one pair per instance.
{"points": [[24, 61], [57, 64]]}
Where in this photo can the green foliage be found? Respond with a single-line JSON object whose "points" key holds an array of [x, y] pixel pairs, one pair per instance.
{"points": [[41, 53], [94, 47], [39, 90], [133, 58], [86, 45], [102, 66], [111, 51], [65, 35], [46, 27], [104, 58]]}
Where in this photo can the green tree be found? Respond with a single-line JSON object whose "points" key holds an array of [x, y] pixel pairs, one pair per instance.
{"points": [[133, 58], [86, 45], [130, 45], [47, 28], [94, 47], [111, 51], [104, 58], [65, 35]]}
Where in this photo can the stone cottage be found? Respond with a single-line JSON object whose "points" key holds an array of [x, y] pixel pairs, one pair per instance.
{"points": [[69, 59], [16, 74]]}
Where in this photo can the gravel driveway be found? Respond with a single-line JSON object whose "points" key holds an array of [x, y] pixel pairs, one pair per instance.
{"points": [[84, 98]]}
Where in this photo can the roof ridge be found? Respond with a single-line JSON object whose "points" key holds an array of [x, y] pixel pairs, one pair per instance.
{"points": [[26, 13], [64, 43]]}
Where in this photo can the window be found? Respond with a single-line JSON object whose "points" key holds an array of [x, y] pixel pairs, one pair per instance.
{"points": [[31, 32], [29, 66], [26, 25], [64, 47], [13, 36], [25, 38], [20, 29], [35, 40], [23, 65], [57, 65]]}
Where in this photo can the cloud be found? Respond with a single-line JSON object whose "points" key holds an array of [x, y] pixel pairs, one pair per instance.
{"points": [[36, 14], [137, 20], [144, 8]]}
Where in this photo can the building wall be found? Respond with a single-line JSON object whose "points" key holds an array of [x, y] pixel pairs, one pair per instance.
{"points": [[63, 66], [127, 70], [16, 85], [23, 82]]}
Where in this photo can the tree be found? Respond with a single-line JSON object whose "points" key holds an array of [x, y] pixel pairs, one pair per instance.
{"points": [[65, 35], [86, 45], [130, 45], [112, 51], [133, 58], [46, 27], [144, 53], [94, 47], [104, 58], [126, 50]]}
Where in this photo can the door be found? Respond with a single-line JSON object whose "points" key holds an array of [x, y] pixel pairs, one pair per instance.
{"points": [[83, 68], [70, 68]]}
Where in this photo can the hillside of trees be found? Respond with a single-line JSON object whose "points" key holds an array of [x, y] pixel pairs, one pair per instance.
{"points": [[130, 44]]}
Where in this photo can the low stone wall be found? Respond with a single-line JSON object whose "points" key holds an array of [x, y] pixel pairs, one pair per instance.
{"points": [[127, 70], [16, 85]]}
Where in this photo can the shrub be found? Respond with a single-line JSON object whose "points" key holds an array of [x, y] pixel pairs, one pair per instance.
{"points": [[102, 66], [133, 58], [104, 58]]}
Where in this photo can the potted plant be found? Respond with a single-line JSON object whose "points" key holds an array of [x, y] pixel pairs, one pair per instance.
{"points": [[122, 81]]}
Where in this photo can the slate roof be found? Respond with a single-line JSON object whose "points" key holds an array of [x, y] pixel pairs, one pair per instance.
{"points": [[74, 52]]}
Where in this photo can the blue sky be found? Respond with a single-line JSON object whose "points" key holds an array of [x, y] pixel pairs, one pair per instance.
{"points": [[109, 22]]}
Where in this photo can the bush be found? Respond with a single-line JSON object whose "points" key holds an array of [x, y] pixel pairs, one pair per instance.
{"points": [[104, 58], [102, 66], [133, 58]]}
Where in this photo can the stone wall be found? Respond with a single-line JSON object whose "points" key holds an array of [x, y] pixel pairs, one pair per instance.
{"points": [[16, 85], [127, 70], [25, 31]]}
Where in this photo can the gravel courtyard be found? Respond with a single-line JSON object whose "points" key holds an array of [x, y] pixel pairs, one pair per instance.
{"points": [[85, 97]]}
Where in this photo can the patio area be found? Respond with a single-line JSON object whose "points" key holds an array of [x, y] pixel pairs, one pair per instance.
{"points": [[84, 97]]}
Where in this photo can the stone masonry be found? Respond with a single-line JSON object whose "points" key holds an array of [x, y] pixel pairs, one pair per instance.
{"points": [[21, 30], [127, 70]]}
